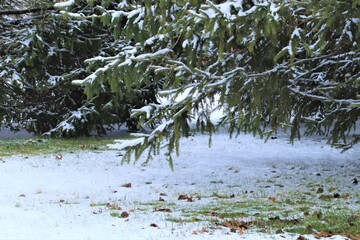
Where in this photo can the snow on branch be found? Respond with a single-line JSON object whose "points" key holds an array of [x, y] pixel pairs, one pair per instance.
{"points": [[324, 99], [65, 4], [151, 56]]}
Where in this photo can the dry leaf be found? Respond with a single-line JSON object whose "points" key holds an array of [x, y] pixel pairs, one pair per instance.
{"points": [[124, 214], [162, 210], [183, 197], [58, 157], [200, 231], [272, 199], [154, 225], [325, 234], [301, 238], [126, 185]]}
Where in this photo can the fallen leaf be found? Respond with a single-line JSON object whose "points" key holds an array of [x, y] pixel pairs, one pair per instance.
{"points": [[183, 197], [355, 181], [162, 210], [62, 201], [58, 157], [154, 225], [272, 199], [195, 232], [200, 231], [301, 238], [131, 210], [336, 195], [124, 214], [113, 206], [126, 185], [22, 195], [236, 225], [325, 234]]}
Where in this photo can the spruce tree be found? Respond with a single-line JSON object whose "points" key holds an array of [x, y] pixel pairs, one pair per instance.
{"points": [[41, 52], [273, 64]]}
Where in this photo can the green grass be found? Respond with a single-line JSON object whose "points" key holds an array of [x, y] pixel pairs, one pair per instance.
{"points": [[37, 146], [295, 213], [115, 214]]}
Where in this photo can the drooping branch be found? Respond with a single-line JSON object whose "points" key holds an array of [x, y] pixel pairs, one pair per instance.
{"points": [[26, 11]]}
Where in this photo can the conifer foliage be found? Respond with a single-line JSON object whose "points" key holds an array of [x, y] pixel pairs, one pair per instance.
{"points": [[270, 65], [41, 52]]}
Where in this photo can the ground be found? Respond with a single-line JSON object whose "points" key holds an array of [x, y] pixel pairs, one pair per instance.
{"points": [[240, 188]]}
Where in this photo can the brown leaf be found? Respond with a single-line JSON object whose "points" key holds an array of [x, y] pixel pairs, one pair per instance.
{"points": [[236, 225], [162, 210], [336, 195], [113, 206], [325, 234], [126, 185], [200, 231], [183, 197], [131, 210], [195, 232], [272, 199], [301, 238], [154, 225], [58, 157], [124, 214]]}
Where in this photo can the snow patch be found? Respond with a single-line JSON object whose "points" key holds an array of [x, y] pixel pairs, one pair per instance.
{"points": [[64, 4]]}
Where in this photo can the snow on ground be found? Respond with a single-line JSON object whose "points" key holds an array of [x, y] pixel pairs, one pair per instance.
{"points": [[45, 198]]}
